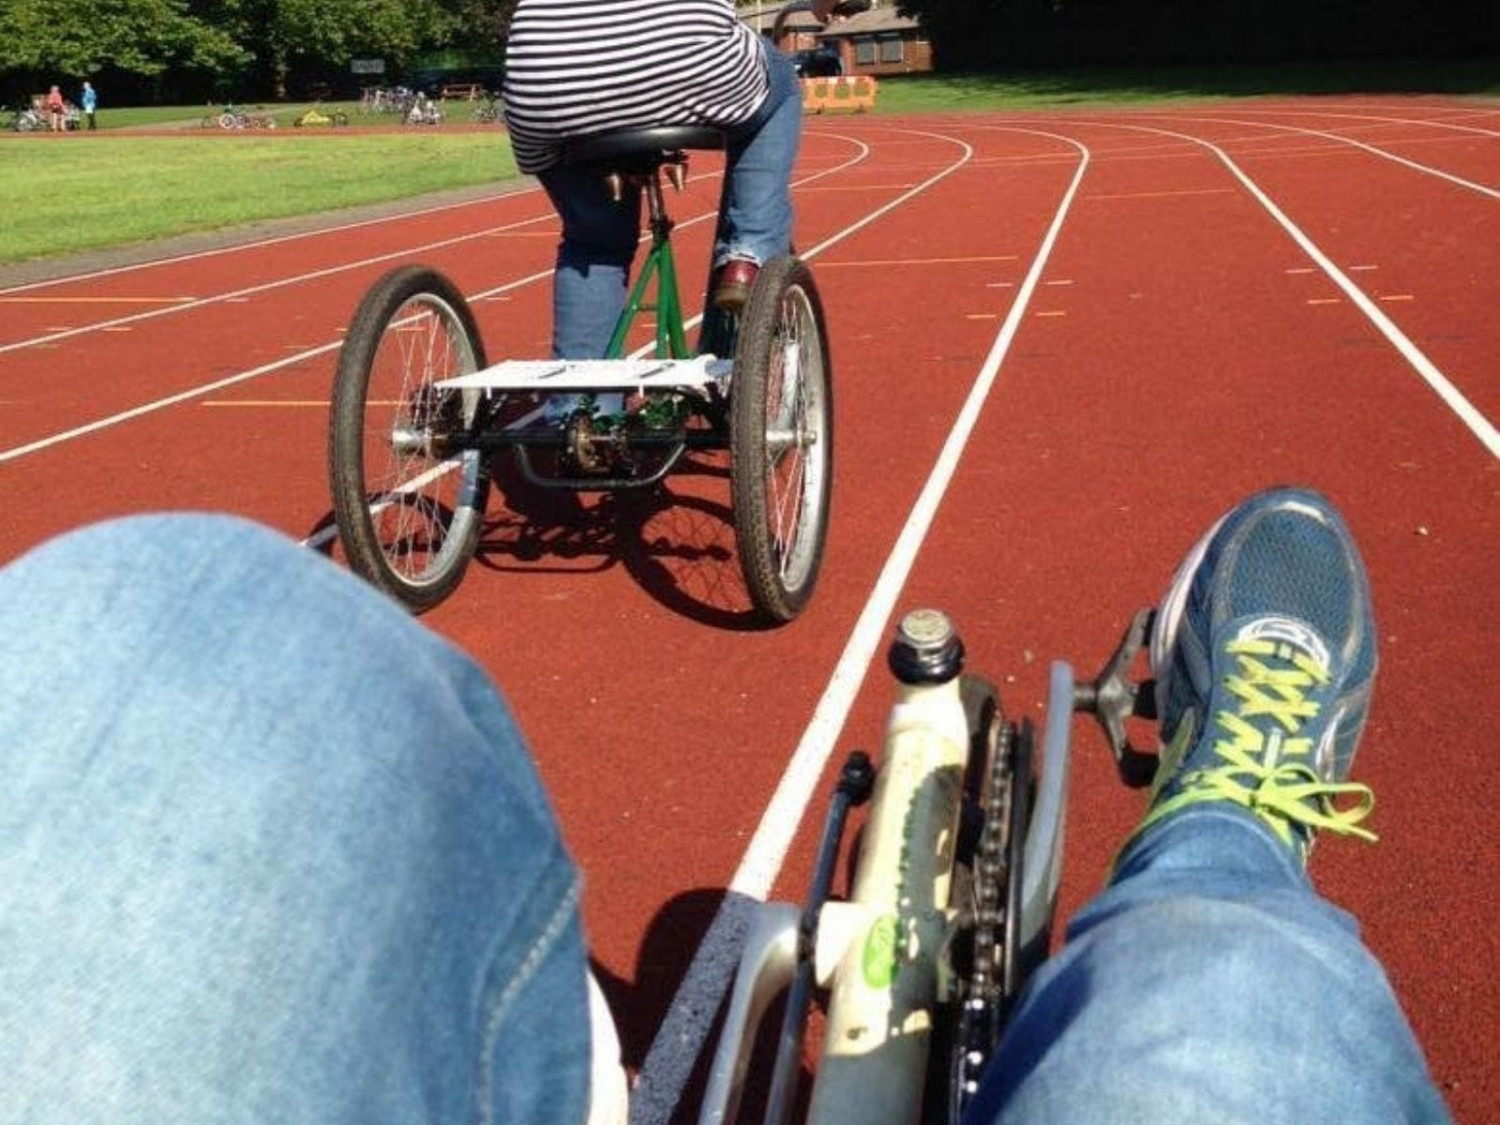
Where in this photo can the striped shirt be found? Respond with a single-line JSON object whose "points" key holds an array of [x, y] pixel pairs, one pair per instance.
{"points": [[575, 67]]}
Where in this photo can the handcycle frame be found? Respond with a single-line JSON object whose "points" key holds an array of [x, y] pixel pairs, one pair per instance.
{"points": [[759, 386], [946, 918]]}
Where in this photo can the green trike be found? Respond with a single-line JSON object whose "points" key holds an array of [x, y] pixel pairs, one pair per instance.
{"points": [[418, 411]]}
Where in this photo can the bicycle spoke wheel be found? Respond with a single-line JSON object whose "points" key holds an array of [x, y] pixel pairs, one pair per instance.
{"points": [[408, 490], [781, 438]]}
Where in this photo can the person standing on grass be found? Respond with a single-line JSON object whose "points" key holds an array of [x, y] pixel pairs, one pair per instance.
{"points": [[89, 100], [57, 115]]}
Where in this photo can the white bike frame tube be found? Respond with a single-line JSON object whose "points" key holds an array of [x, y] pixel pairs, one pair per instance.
{"points": [[888, 940]]}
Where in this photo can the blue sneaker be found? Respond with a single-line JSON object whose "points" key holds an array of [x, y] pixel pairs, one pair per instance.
{"points": [[1264, 654]]}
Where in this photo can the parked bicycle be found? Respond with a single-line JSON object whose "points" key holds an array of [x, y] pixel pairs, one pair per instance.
{"points": [[232, 117], [424, 111], [386, 99], [489, 111], [24, 119]]}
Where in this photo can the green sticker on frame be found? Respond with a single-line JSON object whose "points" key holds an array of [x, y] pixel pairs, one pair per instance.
{"points": [[878, 962]]}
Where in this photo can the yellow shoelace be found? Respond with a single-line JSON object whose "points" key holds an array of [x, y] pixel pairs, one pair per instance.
{"points": [[1266, 767]]}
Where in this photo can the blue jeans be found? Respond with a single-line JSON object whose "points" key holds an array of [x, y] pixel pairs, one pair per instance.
{"points": [[269, 851], [1207, 984], [600, 235]]}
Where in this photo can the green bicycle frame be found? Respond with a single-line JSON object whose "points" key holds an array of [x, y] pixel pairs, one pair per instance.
{"points": [[671, 335]]}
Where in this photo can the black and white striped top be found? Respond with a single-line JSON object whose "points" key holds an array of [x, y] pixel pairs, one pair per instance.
{"points": [[574, 67]]}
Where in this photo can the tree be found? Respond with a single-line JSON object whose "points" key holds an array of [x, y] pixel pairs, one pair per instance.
{"points": [[324, 33], [80, 37], [481, 24], [291, 39]]}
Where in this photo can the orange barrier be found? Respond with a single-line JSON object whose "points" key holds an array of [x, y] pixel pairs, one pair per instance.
{"points": [[843, 94]]}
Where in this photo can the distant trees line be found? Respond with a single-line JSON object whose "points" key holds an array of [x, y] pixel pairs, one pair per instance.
{"points": [[981, 33], [141, 51], [191, 50]]}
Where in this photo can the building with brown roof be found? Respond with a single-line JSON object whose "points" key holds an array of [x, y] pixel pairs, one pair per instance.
{"points": [[877, 41]]}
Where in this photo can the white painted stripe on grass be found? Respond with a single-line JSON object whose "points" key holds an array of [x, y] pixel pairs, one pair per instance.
{"points": [[685, 1029]]}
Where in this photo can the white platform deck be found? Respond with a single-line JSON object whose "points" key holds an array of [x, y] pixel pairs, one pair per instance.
{"points": [[594, 375]]}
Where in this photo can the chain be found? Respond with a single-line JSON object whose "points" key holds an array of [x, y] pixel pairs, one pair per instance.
{"points": [[980, 1019]]}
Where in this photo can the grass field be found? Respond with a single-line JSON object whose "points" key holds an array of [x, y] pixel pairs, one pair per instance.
{"points": [[68, 193], [153, 172]]}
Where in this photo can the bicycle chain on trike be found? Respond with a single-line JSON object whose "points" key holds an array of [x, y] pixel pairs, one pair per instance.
{"points": [[984, 992]]}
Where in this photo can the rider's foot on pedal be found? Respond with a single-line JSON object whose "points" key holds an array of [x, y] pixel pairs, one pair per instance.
{"points": [[732, 282], [1264, 653]]}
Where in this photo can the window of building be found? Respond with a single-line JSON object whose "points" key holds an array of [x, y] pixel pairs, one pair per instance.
{"points": [[865, 49], [891, 49]]}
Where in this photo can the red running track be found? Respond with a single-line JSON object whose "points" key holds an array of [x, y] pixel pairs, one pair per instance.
{"points": [[1064, 343]]}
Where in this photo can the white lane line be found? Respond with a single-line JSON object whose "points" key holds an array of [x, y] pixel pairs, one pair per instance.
{"points": [[1361, 110], [1478, 424], [1435, 123], [208, 388], [1161, 194], [1425, 169], [242, 295], [689, 1020], [161, 404]]}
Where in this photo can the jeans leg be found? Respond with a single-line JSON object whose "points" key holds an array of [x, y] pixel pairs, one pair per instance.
{"points": [[598, 245], [756, 211], [1209, 983], [269, 850]]}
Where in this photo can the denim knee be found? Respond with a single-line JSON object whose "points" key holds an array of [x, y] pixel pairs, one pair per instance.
{"points": [[269, 847]]}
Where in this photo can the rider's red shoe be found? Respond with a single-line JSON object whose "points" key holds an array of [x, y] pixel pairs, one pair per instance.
{"points": [[732, 281]]}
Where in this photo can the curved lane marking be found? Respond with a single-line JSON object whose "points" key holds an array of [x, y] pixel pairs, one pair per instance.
{"points": [[1467, 412], [1426, 169], [1436, 123]]}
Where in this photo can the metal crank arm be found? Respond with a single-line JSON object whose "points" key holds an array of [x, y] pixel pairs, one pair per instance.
{"points": [[1114, 697]]}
